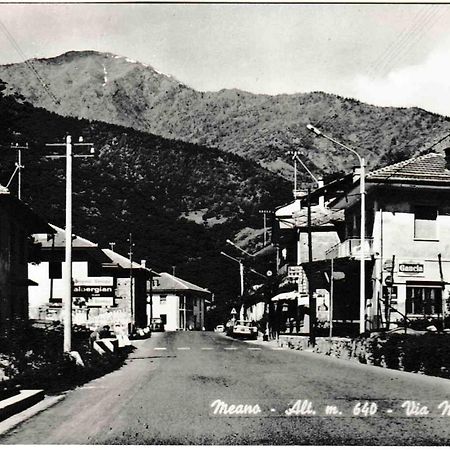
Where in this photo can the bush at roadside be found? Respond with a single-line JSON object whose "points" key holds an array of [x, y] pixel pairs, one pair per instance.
{"points": [[428, 353], [33, 358]]}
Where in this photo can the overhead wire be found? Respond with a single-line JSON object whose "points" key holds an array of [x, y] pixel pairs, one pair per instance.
{"points": [[29, 64]]}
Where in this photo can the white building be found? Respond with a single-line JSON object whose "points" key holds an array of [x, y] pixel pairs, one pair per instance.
{"points": [[178, 303]]}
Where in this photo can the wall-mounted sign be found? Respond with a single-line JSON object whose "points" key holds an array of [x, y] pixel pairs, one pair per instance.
{"points": [[93, 281], [295, 271], [411, 267], [101, 301], [93, 291], [387, 266]]}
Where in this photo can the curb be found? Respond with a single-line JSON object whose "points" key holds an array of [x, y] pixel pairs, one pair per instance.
{"points": [[21, 416], [20, 402]]}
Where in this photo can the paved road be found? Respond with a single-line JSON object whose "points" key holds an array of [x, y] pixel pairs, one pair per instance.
{"points": [[164, 394]]}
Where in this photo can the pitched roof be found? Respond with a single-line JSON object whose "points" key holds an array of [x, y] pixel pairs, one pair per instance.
{"points": [[425, 168], [60, 239], [121, 261], [319, 216], [171, 283]]}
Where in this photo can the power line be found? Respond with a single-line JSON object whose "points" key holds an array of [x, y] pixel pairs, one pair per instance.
{"points": [[29, 64]]}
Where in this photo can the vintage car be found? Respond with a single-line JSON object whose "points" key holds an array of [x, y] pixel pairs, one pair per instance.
{"points": [[219, 329], [156, 325], [243, 329]]}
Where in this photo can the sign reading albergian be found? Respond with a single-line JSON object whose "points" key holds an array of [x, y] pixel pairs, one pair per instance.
{"points": [[97, 291]]}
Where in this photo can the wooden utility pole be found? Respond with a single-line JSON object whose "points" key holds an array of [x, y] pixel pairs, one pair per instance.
{"points": [[312, 300], [265, 212], [18, 168], [67, 275], [130, 253]]}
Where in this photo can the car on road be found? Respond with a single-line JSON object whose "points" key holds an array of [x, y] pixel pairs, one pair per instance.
{"points": [[157, 324], [219, 329], [243, 329]]}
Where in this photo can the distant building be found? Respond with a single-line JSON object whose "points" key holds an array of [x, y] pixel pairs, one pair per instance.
{"points": [[17, 223], [102, 293], [178, 303]]}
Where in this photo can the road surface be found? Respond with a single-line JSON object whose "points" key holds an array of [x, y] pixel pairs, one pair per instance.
{"points": [[164, 393]]}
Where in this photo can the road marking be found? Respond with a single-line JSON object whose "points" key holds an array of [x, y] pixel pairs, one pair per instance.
{"points": [[278, 348], [207, 348], [230, 348], [184, 348], [254, 348], [92, 387], [160, 348]]}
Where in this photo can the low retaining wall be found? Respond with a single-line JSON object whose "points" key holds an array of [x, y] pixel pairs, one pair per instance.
{"points": [[428, 354], [344, 348]]}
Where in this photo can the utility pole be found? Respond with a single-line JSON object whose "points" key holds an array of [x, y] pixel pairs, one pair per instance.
{"points": [[112, 244], [67, 279], [312, 300], [130, 253], [18, 168], [265, 212]]}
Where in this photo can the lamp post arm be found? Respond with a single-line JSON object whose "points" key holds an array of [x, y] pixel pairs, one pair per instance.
{"points": [[239, 248], [360, 159], [230, 257]]}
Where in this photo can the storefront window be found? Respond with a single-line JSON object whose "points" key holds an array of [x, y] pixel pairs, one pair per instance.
{"points": [[423, 300]]}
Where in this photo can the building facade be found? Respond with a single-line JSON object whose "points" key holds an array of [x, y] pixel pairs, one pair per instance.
{"points": [[406, 249], [17, 223], [107, 290], [178, 303]]}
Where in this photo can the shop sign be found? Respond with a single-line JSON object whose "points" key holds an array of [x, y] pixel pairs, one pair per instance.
{"points": [[93, 281], [294, 272], [387, 266], [411, 267], [101, 301], [93, 291]]}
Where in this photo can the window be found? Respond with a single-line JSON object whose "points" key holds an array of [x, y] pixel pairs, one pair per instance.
{"points": [[425, 222], [423, 300], [162, 298], [55, 270]]}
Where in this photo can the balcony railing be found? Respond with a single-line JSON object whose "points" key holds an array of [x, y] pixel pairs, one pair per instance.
{"points": [[351, 248]]}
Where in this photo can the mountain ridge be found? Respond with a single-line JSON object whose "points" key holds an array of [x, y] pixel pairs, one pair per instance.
{"points": [[258, 127]]}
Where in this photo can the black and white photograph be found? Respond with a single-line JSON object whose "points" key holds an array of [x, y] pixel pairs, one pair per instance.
{"points": [[224, 224]]}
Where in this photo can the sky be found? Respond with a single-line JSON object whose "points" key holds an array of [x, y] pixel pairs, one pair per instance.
{"points": [[387, 55]]}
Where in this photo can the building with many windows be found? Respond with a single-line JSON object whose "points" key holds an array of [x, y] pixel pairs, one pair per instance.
{"points": [[407, 243]]}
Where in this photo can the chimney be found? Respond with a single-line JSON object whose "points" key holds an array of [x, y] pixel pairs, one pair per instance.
{"points": [[447, 158], [143, 262]]}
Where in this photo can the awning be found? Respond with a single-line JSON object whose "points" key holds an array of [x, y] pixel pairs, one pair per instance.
{"points": [[291, 296]]}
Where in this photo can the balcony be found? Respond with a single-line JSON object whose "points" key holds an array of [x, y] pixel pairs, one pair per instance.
{"points": [[351, 248]]}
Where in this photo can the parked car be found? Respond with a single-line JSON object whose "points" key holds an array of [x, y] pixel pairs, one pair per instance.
{"points": [[243, 329], [157, 325], [219, 329]]}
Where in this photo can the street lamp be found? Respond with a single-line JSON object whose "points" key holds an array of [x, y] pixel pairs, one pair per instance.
{"points": [[239, 248], [241, 270], [362, 189]]}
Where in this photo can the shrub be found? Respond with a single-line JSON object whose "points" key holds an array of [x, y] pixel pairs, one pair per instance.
{"points": [[35, 359]]}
